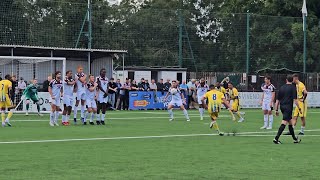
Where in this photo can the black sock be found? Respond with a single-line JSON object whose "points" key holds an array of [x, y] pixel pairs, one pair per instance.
{"points": [[291, 130], [38, 108], [281, 128]]}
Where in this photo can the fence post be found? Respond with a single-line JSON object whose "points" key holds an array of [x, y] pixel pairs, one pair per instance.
{"points": [[248, 43]]}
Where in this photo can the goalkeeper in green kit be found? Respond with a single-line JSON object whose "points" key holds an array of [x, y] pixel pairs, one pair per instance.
{"points": [[31, 93]]}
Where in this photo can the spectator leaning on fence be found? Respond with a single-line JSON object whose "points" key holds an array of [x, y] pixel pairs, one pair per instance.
{"points": [[167, 85], [160, 86], [153, 85], [143, 86], [134, 86]]}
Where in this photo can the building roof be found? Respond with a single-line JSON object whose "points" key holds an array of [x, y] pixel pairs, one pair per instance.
{"points": [[152, 68], [69, 53]]}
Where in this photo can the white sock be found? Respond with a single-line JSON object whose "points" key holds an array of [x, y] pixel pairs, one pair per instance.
{"points": [[82, 111], [98, 117], [185, 112], [170, 113], [86, 116], [57, 116], [75, 111], [103, 116], [270, 120], [265, 120], [201, 111], [67, 118], [302, 129], [92, 116], [63, 118], [52, 116]]}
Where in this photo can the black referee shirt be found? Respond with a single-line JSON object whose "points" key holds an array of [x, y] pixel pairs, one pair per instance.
{"points": [[287, 94]]}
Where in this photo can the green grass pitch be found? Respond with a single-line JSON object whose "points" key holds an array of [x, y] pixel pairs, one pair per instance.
{"points": [[145, 145]]}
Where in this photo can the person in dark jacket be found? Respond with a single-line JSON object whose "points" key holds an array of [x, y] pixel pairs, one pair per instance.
{"points": [[46, 84]]}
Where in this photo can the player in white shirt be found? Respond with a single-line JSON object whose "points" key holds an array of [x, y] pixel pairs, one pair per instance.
{"points": [[68, 88], [55, 91], [202, 89], [267, 102], [91, 97], [177, 99], [103, 87], [80, 79]]}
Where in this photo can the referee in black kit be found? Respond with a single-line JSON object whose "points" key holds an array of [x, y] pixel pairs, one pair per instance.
{"points": [[286, 96]]}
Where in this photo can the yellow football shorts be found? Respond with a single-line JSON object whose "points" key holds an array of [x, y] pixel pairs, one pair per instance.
{"points": [[235, 105], [303, 106]]}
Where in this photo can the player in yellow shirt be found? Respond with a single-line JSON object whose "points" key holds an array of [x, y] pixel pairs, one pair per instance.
{"points": [[215, 101], [5, 101], [224, 92], [234, 96], [302, 96]]}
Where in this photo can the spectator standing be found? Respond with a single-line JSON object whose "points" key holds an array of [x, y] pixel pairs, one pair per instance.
{"points": [[143, 86], [184, 87], [160, 86], [167, 85], [14, 87], [153, 88], [46, 84], [118, 95], [192, 88], [134, 86], [112, 92], [21, 87], [126, 87]]}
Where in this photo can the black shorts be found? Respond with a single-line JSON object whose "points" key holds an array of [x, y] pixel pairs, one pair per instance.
{"points": [[287, 113]]}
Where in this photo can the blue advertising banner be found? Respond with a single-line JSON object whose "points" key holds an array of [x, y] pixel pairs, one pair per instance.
{"points": [[149, 100]]}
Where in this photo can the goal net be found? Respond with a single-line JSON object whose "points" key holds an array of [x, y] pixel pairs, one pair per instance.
{"points": [[24, 70]]}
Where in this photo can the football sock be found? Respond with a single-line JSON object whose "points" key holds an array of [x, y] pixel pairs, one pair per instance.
{"points": [[238, 114], [52, 116], [57, 116], [98, 117], [86, 116], [291, 130], [103, 116], [270, 120], [201, 111], [9, 115], [185, 112], [67, 118], [63, 118], [38, 108], [215, 126], [281, 128], [170, 113], [75, 111], [302, 129], [82, 111], [27, 107], [232, 115], [3, 117], [265, 120], [92, 116]]}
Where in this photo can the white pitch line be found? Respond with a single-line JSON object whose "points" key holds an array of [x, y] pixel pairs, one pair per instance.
{"points": [[270, 135], [253, 134]]}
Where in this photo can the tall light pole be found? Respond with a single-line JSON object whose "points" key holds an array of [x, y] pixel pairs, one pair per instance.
{"points": [[304, 17]]}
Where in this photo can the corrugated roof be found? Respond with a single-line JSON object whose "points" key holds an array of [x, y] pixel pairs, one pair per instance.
{"points": [[64, 49]]}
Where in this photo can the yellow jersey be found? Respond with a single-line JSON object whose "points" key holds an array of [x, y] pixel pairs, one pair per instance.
{"points": [[233, 93], [300, 88], [215, 99], [5, 85], [222, 90]]}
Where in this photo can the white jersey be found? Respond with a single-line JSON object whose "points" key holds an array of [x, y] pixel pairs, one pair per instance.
{"points": [[267, 92], [103, 81], [177, 96], [90, 94], [202, 90], [68, 89], [56, 86], [80, 85]]}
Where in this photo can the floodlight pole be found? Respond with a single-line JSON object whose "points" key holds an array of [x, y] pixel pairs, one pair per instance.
{"points": [[304, 43], [248, 44], [88, 19]]}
